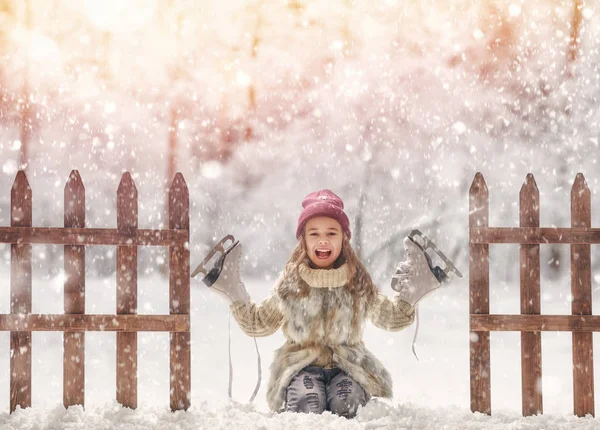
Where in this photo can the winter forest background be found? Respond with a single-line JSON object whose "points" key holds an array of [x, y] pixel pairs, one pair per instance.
{"points": [[393, 104]]}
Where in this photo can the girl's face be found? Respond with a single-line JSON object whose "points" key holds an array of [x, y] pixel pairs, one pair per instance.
{"points": [[323, 236]]}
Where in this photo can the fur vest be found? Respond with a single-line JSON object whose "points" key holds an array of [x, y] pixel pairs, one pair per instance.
{"points": [[328, 321]]}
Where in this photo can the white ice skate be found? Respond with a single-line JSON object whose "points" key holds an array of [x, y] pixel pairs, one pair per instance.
{"points": [[417, 276], [224, 276], [224, 279]]}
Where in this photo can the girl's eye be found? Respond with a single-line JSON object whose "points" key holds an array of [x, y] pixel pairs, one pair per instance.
{"points": [[332, 234]]}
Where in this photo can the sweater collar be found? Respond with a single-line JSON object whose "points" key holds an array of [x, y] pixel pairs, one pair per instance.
{"points": [[324, 278]]}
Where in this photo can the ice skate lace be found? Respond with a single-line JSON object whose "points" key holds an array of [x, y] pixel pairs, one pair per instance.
{"points": [[402, 268], [259, 372], [414, 341], [259, 367]]}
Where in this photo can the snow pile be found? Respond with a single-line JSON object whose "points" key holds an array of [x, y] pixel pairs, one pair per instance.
{"points": [[375, 415], [430, 393]]}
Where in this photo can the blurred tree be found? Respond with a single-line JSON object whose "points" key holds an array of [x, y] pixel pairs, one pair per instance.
{"points": [[575, 36], [347, 29], [494, 55], [17, 106], [25, 100], [254, 50], [175, 73], [6, 14], [235, 130]]}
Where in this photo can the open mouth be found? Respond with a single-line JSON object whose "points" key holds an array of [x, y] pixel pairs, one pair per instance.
{"points": [[323, 254]]}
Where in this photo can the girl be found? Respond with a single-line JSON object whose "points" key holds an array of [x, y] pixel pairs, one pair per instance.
{"points": [[321, 302]]}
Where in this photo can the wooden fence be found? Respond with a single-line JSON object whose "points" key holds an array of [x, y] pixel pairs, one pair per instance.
{"points": [[530, 323], [75, 322]]}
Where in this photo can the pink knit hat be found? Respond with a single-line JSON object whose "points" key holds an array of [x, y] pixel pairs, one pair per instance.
{"points": [[323, 203]]}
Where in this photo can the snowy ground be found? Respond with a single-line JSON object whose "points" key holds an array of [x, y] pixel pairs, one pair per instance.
{"points": [[430, 393]]}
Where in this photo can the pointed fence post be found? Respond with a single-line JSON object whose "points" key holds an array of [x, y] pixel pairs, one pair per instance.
{"points": [[179, 295], [479, 294], [74, 299], [127, 223], [581, 290], [20, 295], [531, 341]]}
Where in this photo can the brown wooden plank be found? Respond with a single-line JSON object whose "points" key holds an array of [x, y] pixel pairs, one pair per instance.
{"points": [[127, 222], [20, 295], [503, 322], [91, 236], [86, 322], [479, 282], [531, 342], [74, 263], [179, 296], [533, 235], [581, 290]]}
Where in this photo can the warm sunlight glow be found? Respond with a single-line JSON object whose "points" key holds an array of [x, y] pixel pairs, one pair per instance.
{"points": [[587, 12], [119, 16], [243, 79], [514, 10], [38, 49]]}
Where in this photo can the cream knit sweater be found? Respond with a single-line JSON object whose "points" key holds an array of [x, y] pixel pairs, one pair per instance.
{"points": [[264, 319]]}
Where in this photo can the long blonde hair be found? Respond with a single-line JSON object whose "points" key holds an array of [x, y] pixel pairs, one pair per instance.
{"points": [[359, 283]]}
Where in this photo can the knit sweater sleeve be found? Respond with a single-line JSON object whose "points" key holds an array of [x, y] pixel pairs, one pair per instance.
{"points": [[261, 319], [392, 314]]}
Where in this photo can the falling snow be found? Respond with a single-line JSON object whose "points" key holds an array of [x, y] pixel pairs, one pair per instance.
{"points": [[394, 105]]}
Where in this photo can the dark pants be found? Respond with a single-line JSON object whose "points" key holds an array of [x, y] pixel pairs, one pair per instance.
{"points": [[315, 389]]}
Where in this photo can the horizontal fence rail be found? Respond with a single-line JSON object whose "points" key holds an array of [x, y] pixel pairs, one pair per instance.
{"points": [[87, 322], [126, 322], [535, 235], [530, 323], [91, 236], [574, 323]]}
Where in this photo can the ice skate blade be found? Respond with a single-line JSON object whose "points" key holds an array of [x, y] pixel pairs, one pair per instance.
{"points": [[210, 276], [424, 243]]}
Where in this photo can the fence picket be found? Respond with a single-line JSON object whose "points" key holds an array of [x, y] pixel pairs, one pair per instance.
{"points": [[74, 294], [127, 222], [179, 293], [581, 323], [531, 342], [479, 279], [75, 322], [581, 290], [20, 295]]}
